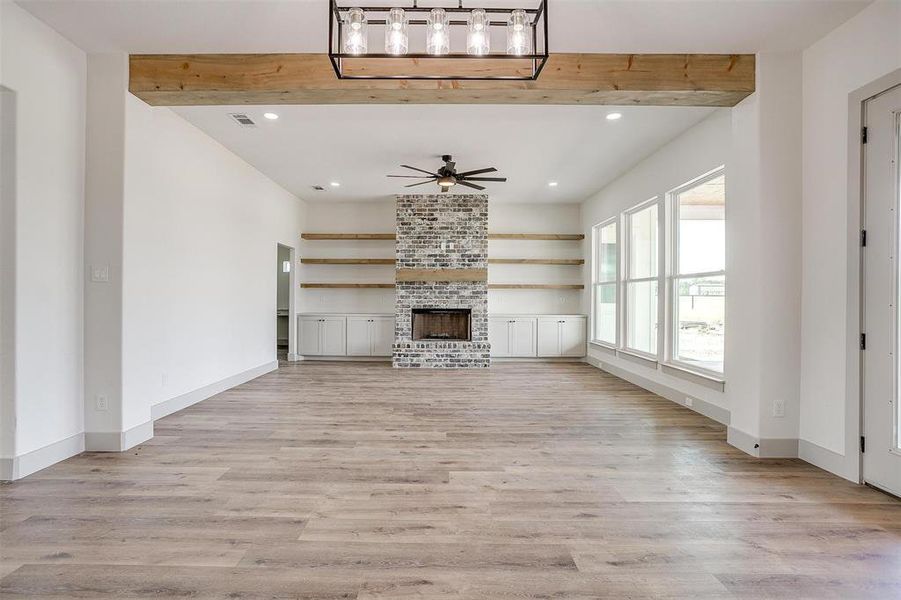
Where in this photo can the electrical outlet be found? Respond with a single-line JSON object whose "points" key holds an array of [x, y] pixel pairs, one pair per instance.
{"points": [[102, 403], [689, 402], [779, 408]]}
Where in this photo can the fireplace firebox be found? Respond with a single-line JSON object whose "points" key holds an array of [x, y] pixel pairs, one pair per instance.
{"points": [[442, 324]]}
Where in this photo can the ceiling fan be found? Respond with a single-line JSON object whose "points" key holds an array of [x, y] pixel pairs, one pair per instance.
{"points": [[447, 176]]}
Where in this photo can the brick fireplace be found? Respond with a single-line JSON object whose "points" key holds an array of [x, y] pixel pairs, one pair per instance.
{"points": [[441, 305]]}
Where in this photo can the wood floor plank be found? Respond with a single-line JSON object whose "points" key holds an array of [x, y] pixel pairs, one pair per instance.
{"points": [[337, 480]]}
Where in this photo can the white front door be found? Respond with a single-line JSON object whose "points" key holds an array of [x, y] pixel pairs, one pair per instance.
{"points": [[881, 285]]}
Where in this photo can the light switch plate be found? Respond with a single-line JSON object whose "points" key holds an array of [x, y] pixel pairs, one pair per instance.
{"points": [[100, 273]]}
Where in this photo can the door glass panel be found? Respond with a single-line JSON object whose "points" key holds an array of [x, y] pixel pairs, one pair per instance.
{"points": [[700, 314], [642, 316]]}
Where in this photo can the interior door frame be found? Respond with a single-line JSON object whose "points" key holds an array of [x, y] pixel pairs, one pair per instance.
{"points": [[854, 381], [292, 314]]}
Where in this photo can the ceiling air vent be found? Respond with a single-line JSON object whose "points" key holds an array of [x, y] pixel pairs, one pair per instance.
{"points": [[242, 119], [318, 188]]}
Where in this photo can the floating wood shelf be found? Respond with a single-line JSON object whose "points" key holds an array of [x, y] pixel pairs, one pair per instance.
{"points": [[348, 285], [536, 261], [537, 236], [347, 236], [535, 286], [347, 261]]}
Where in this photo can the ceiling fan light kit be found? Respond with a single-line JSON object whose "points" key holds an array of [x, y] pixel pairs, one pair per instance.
{"points": [[447, 176], [451, 43]]}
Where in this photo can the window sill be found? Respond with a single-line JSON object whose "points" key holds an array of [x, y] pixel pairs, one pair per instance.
{"points": [[606, 348], [710, 381], [638, 358]]}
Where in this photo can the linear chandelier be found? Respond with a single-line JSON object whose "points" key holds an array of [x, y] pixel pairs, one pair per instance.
{"points": [[455, 43]]}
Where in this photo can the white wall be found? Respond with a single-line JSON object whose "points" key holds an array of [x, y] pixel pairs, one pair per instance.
{"points": [[46, 75], [702, 148], [535, 218], [348, 217], [200, 241], [861, 50], [379, 217]]}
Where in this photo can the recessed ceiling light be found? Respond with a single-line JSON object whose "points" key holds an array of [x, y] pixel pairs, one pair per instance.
{"points": [[335, 184], [273, 116], [552, 184], [614, 116]]}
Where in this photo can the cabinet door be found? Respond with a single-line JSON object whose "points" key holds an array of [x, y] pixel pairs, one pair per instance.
{"points": [[381, 336], [333, 339], [499, 336], [548, 336], [522, 337], [308, 332], [358, 336], [572, 337]]}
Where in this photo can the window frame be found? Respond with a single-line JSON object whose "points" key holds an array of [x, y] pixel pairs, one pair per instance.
{"points": [[596, 283], [674, 276], [625, 279]]}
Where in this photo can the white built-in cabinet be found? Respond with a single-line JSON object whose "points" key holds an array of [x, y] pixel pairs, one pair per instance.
{"points": [[370, 335], [537, 336], [511, 336], [345, 335], [322, 335], [561, 336]]}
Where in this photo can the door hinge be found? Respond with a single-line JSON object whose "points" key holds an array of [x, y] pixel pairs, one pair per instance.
{"points": [[863, 135], [863, 444], [863, 341], [863, 238]]}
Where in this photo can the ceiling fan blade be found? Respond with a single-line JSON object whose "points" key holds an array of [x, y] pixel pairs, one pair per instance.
{"points": [[421, 183], [414, 176], [472, 185], [484, 179], [420, 170], [476, 172]]}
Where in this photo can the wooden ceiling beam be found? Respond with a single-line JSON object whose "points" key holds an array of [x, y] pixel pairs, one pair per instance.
{"points": [[591, 79]]}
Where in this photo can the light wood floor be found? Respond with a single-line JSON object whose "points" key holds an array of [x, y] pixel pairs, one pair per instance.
{"points": [[524, 481]]}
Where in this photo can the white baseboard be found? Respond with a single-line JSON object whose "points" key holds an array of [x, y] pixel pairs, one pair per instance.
{"points": [[827, 460], [544, 359], [12, 468], [118, 441], [301, 358], [167, 407], [762, 447], [712, 411]]}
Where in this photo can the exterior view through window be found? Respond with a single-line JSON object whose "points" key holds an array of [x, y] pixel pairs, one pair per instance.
{"points": [[606, 286], [699, 273], [641, 280]]}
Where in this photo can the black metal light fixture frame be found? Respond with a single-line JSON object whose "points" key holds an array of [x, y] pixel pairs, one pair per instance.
{"points": [[537, 59]]}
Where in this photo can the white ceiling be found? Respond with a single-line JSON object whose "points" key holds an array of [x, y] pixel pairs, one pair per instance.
{"points": [[358, 146], [174, 26]]}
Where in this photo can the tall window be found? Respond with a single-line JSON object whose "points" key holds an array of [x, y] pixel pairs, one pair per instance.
{"points": [[640, 279], [605, 284], [699, 272]]}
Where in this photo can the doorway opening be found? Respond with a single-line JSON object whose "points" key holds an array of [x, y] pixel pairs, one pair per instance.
{"points": [[284, 307]]}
